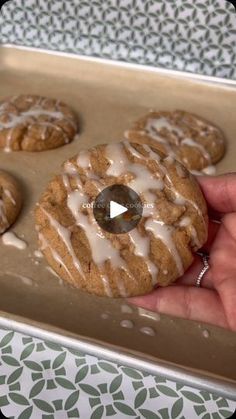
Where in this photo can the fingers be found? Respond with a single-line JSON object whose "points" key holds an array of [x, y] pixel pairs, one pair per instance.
{"points": [[190, 276], [213, 229], [227, 293], [219, 191], [186, 302], [224, 267]]}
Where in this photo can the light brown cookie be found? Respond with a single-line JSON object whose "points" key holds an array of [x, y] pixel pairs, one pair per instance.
{"points": [[156, 252], [189, 138], [35, 123], [10, 200]]}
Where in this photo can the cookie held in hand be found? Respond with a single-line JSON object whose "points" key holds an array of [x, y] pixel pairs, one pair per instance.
{"points": [[155, 253]]}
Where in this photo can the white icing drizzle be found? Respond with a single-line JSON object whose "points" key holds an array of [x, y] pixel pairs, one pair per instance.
{"points": [[38, 254], [9, 195], [45, 125], [2, 107], [196, 173], [121, 286], [101, 248], [65, 235], [24, 279], [180, 170], [195, 240], [10, 239], [66, 181], [186, 222], [83, 160], [70, 168], [154, 126], [7, 147], [209, 170], [49, 269], [148, 331], [170, 160], [153, 133], [44, 133], [142, 248], [55, 255], [206, 334], [179, 199], [126, 309], [22, 118], [127, 324], [191, 143], [107, 287], [74, 201], [143, 182], [158, 123], [149, 314], [201, 124], [133, 151], [152, 154], [164, 232], [119, 161]]}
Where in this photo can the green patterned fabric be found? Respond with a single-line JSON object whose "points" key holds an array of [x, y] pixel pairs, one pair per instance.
{"points": [[193, 35], [43, 380]]}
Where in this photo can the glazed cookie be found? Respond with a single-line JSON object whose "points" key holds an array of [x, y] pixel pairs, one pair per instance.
{"points": [[156, 252], [10, 201], [34, 123], [193, 141]]}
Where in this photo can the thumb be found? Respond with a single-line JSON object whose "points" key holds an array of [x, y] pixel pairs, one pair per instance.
{"points": [[188, 302]]}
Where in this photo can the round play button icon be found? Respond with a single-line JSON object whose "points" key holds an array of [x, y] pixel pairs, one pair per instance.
{"points": [[118, 209]]}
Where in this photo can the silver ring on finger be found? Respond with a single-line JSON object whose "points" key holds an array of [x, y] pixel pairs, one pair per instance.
{"points": [[206, 267]]}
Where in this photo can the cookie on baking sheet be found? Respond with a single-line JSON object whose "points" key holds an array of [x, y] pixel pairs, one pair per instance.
{"points": [[189, 138], [156, 252], [10, 200], [35, 123]]}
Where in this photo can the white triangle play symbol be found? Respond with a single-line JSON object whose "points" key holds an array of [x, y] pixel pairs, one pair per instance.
{"points": [[116, 209]]}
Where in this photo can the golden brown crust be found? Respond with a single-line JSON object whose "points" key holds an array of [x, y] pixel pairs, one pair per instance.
{"points": [[10, 200], [179, 206], [35, 123], [206, 145]]}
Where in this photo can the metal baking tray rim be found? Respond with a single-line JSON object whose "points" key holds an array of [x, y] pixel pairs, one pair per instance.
{"points": [[161, 368], [126, 65]]}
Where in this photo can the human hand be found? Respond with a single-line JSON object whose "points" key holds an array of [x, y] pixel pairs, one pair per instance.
{"points": [[215, 301]]}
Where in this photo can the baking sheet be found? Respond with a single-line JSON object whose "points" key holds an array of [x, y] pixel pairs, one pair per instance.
{"points": [[107, 98]]}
